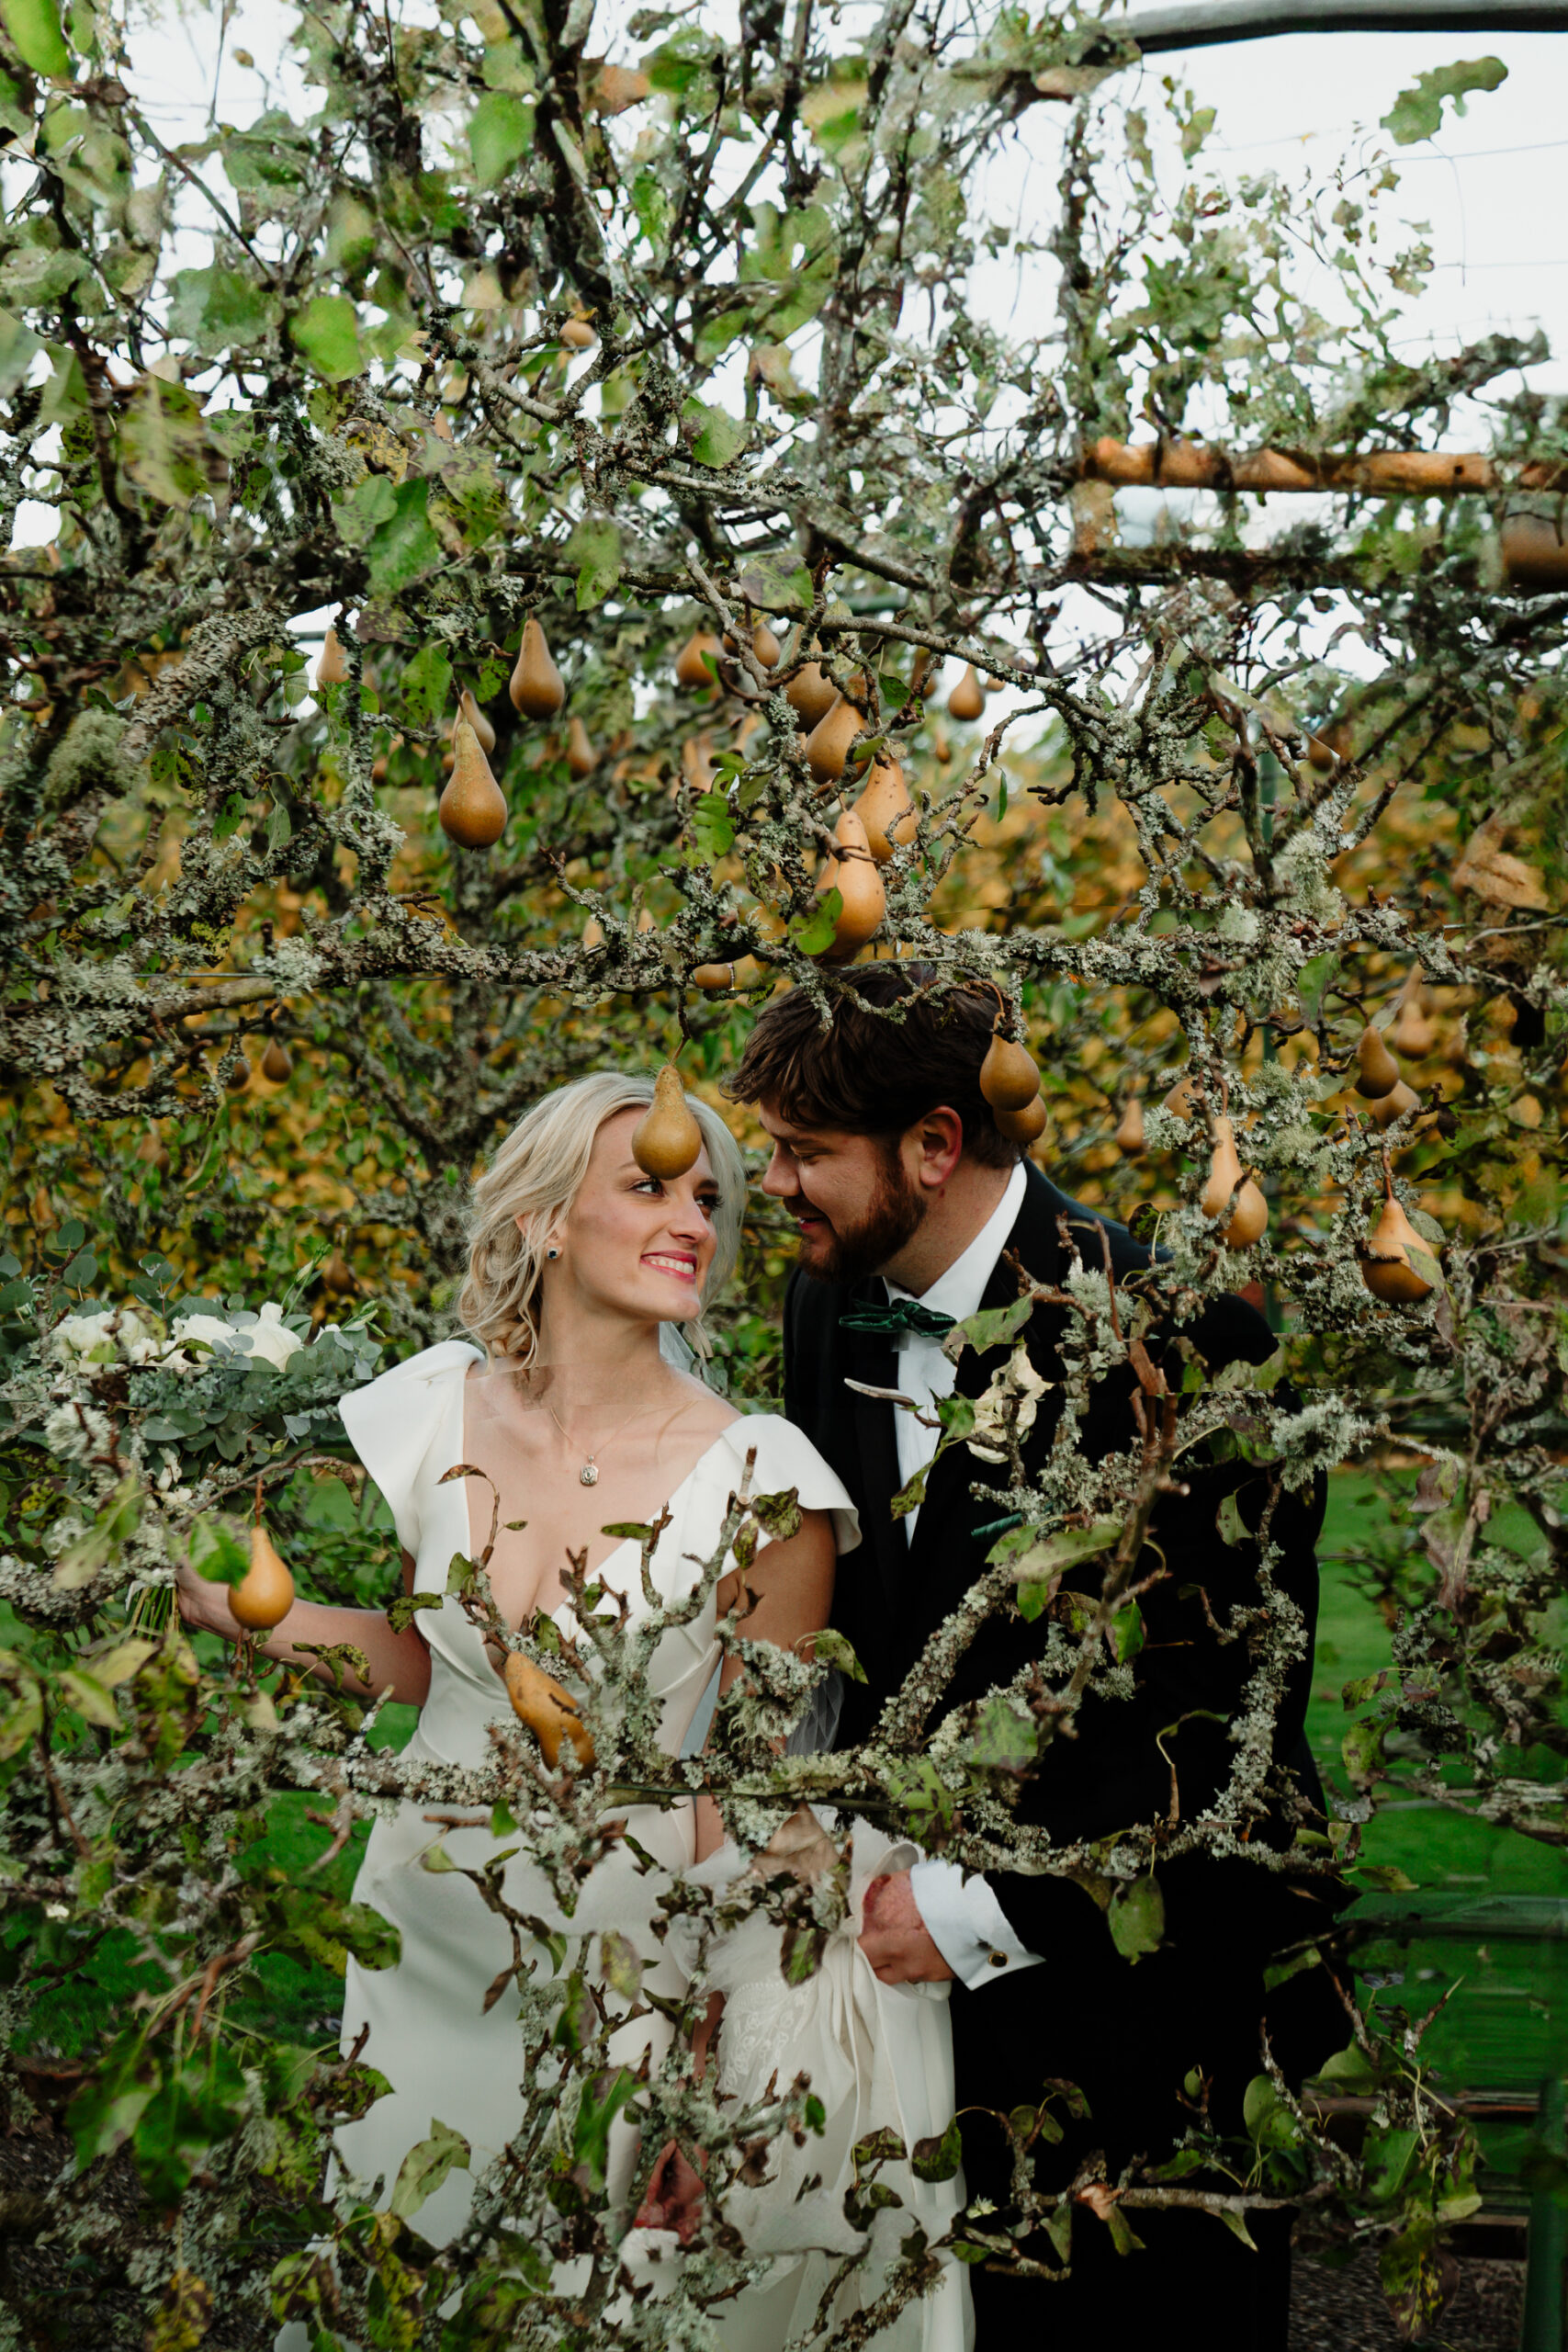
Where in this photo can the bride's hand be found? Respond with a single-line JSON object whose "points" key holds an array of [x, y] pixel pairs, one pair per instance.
{"points": [[203, 1604], [674, 2198]]}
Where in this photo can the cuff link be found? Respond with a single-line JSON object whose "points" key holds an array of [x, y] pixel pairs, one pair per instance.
{"points": [[999, 1960]]}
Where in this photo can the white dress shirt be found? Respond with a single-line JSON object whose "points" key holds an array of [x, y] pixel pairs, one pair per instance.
{"points": [[963, 1917]]}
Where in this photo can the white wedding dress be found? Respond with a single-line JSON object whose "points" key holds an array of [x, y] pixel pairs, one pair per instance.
{"points": [[877, 2055]]}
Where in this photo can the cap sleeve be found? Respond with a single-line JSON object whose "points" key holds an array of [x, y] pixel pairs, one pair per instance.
{"points": [[393, 1422], [786, 1458]]}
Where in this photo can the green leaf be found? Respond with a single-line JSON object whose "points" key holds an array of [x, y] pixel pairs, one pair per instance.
{"points": [[718, 438], [1127, 1632], [991, 1328], [403, 548], [326, 334], [1232, 1526], [1136, 1918], [425, 2167], [88, 1695], [425, 687], [595, 548], [1361, 1748], [17, 347], [1312, 983], [500, 131], [1386, 2157], [219, 310], [713, 827], [1417, 113], [34, 28], [831, 1649], [112, 1528], [407, 1607], [590, 2130], [164, 446], [1039, 1562], [813, 933], [1351, 2066], [216, 1553]]}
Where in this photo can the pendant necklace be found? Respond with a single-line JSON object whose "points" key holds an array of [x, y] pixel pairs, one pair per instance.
{"points": [[588, 1474]]}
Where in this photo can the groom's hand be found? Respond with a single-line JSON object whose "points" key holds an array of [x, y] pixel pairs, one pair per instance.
{"points": [[894, 1938]]}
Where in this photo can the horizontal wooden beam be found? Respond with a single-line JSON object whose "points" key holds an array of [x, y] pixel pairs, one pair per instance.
{"points": [[1371, 473], [1206, 22]]}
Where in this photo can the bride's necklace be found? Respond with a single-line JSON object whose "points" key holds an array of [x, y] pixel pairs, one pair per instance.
{"points": [[588, 1474]]}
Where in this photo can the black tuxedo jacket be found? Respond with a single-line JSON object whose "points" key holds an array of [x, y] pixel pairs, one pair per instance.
{"points": [[1126, 2032]]}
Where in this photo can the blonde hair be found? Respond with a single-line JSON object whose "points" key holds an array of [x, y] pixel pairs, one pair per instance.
{"points": [[538, 1174]]}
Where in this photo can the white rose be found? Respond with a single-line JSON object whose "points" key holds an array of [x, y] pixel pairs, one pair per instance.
{"points": [[76, 1337], [1016, 1386], [210, 1329], [271, 1338]]}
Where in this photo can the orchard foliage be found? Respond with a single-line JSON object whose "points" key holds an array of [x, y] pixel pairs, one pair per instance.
{"points": [[470, 325]]}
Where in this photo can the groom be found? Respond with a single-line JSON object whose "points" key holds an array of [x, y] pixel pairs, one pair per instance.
{"points": [[902, 1188]]}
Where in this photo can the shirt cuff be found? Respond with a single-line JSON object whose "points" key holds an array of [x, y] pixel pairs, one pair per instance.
{"points": [[967, 1925]]}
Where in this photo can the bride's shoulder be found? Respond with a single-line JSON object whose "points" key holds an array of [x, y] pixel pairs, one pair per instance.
{"points": [[783, 1456], [449, 1360]]}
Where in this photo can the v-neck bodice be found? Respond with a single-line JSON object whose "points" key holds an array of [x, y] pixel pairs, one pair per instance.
{"points": [[407, 1428]]}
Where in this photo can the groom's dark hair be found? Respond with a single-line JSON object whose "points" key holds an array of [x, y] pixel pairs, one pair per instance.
{"points": [[876, 1073]]}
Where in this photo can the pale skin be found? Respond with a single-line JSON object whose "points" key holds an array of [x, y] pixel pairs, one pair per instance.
{"points": [[634, 1252], [824, 1176]]}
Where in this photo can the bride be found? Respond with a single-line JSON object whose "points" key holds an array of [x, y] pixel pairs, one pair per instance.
{"points": [[569, 1405]]}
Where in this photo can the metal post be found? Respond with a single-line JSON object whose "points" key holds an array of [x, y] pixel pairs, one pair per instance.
{"points": [[1541, 2327]]}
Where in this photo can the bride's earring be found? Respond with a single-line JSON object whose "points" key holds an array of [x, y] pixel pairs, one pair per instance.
{"points": [[552, 1252]]}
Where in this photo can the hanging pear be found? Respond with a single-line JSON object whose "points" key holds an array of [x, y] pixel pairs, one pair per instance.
{"points": [[1248, 1219], [472, 810], [667, 1139], [811, 694], [332, 666], [337, 1275], [582, 759], [1249, 1211], [538, 688], [1010, 1076], [276, 1063], [828, 746], [1387, 1268], [264, 1594], [744, 974], [1178, 1101], [469, 709], [1128, 1136], [1411, 1032], [691, 663], [886, 811], [696, 763], [239, 1076], [853, 873], [1397, 1103], [1380, 1071], [766, 647], [578, 334], [966, 701], [594, 933], [550, 1712], [1022, 1126]]}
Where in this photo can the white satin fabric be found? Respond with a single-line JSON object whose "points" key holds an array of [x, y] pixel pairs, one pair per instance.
{"points": [[876, 2054]]}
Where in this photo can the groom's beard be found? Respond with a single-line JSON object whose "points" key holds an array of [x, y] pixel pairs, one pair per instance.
{"points": [[848, 1253]]}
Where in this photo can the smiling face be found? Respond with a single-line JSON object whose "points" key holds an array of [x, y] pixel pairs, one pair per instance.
{"points": [[856, 1199], [634, 1244]]}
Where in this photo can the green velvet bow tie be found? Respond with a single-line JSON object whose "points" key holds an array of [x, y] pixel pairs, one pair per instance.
{"points": [[900, 1315]]}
